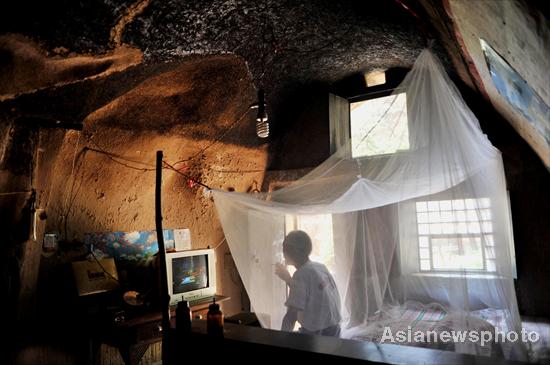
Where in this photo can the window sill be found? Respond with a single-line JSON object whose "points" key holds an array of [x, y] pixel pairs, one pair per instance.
{"points": [[457, 275]]}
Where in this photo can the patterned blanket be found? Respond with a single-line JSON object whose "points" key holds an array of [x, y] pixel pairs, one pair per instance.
{"points": [[414, 317]]}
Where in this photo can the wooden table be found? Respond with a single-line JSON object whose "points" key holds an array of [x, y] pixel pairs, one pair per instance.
{"points": [[133, 336]]}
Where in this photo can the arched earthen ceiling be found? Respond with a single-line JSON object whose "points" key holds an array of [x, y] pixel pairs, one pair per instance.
{"points": [[285, 44], [101, 50]]}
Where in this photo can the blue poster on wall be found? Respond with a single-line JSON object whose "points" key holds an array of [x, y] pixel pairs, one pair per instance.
{"points": [[517, 92], [129, 246]]}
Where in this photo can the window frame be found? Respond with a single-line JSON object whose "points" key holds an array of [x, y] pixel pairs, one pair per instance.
{"points": [[351, 90], [458, 236], [410, 266], [372, 96], [450, 271]]}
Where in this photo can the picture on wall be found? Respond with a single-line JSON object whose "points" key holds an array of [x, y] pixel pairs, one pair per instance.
{"points": [[130, 246]]}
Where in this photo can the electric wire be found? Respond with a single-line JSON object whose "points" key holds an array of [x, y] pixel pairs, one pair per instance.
{"points": [[219, 138]]}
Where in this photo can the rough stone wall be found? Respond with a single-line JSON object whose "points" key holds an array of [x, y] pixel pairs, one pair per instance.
{"points": [[81, 69], [104, 176], [102, 179]]}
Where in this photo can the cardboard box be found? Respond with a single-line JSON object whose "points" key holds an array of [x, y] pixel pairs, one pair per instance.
{"points": [[95, 276]]}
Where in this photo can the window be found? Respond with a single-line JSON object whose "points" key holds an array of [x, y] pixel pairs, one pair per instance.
{"points": [[379, 126], [371, 120], [319, 228], [455, 235]]}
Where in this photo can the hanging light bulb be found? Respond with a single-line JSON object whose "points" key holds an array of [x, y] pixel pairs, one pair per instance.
{"points": [[262, 125]]}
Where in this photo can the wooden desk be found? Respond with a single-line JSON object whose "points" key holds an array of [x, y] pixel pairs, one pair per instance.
{"points": [[133, 336], [199, 308]]}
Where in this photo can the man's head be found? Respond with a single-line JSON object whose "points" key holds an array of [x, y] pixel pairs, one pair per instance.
{"points": [[297, 248]]}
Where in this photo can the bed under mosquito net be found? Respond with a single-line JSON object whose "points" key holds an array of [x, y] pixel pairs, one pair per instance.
{"points": [[417, 240]]}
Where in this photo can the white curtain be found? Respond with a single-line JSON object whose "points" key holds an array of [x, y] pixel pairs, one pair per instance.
{"points": [[425, 228]]}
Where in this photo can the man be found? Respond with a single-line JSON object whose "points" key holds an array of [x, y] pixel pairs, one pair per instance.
{"points": [[313, 299]]}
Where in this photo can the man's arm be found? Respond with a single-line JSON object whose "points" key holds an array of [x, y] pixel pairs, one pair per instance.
{"points": [[289, 319]]}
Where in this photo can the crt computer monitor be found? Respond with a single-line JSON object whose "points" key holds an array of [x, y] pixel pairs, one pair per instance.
{"points": [[191, 275]]}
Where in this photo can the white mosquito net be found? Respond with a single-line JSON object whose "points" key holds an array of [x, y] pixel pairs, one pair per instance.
{"points": [[417, 239]]}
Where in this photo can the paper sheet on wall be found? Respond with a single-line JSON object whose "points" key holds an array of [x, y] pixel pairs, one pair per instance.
{"points": [[182, 239]]}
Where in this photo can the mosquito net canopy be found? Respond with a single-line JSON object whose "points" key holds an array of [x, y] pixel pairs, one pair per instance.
{"points": [[416, 239]]}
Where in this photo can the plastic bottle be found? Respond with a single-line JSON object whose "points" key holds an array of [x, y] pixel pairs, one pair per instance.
{"points": [[214, 320], [183, 318]]}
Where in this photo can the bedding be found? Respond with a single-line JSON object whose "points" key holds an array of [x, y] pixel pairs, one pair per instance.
{"points": [[496, 317], [425, 317]]}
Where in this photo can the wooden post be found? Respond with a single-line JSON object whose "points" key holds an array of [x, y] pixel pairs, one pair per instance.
{"points": [[165, 297]]}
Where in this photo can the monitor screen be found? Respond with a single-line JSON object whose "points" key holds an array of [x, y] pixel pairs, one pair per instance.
{"points": [[189, 273]]}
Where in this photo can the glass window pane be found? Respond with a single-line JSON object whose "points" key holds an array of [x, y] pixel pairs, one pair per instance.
{"points": [[470, 203], [447, 216], [474, 227], [425, 265], [423, 241], [319, 228], [433, 206], [424, 253], [461, 228], [466, 219], [447, 228], [423, 229], [435, 228], [471, 216], [460, 216], [491, 265], [422, 217], [458, 204], [379, 126], [421, 206], [455, 254], [434, 217], [445, 205]]}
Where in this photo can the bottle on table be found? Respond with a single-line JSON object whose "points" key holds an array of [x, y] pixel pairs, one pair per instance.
{"points": [[214, 320], [183, 318]]}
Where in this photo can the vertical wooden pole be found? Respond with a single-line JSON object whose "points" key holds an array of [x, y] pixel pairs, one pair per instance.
{"points": [[165, 297]]}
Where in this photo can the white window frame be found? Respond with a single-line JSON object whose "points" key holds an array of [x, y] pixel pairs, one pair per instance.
{"points": [[410, 261], [340, 121], [485, 236]]}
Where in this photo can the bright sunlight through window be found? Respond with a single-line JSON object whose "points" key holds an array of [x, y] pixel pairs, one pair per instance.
{"points": [[455, 235], [319, 228], [379, 126]]}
